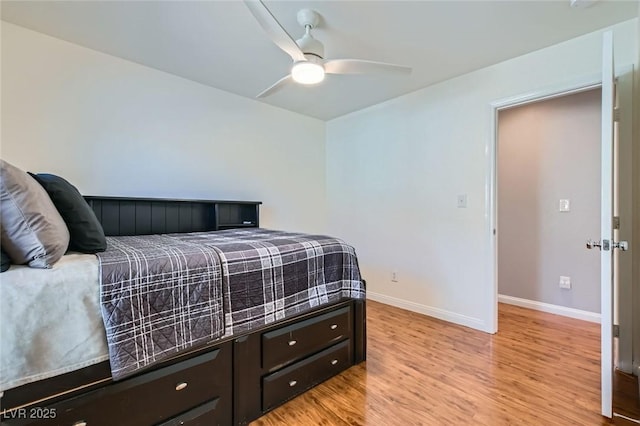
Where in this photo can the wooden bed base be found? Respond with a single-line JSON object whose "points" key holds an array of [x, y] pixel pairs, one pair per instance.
{"points": [[231, 381]]}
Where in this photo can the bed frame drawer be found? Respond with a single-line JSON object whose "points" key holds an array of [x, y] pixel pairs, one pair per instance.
{"points": [[288, 344], [208, 414], [150, 398], [159, 395], [297, 378]]}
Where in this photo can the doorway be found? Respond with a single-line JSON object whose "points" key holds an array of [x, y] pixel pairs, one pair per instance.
{"points": [[627, 347], [548, 202], [491, 184]]}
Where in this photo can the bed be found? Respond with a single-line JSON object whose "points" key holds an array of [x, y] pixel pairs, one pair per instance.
{"points": [[247, 352]]}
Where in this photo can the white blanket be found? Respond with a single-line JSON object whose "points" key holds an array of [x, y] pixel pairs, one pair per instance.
{"points": [[50, 321]]}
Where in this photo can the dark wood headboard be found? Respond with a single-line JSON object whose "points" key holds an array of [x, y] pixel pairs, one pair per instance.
{"points": [[140, 216]]}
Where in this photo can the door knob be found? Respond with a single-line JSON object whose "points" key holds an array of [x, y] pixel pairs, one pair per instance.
{"points": [[606, 244], [592, 244], [622, 245]]}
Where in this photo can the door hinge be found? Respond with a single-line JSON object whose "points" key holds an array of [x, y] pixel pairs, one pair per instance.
{"points": [[616, 114], [616, 222], [616, 330]]}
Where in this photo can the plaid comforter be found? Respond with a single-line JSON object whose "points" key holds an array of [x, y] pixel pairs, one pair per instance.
{"points": [[158, 295], [164, 293], [271, 275]]}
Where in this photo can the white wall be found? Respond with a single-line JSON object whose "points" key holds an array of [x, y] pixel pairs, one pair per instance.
{"points": [[544, 152], [113, 127], [394, 171]]}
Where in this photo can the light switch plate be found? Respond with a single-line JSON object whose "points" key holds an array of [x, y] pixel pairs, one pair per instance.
{"points": [[462, 201], [564, 205]]}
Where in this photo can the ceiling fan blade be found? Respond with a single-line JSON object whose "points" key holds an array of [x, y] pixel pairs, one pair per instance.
{"points": [[276, 86], [360, 66], [270, 24]]}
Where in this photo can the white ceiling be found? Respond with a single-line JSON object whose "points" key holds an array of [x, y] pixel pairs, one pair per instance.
{"points": [[219, 43]]}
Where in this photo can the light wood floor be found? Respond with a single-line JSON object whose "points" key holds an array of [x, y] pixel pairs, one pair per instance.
{"points": [[626, 400], [539, 369]]}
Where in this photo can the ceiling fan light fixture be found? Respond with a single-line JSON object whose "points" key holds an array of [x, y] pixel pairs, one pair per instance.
{"points": [[307, 53], [307, 72]]}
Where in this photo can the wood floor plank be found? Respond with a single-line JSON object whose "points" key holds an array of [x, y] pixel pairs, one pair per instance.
{"points": [[539, 369], [626, 400]]}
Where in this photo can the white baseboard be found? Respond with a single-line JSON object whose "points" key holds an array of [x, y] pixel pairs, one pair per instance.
{"points": [[552, 309], [429, 310]]}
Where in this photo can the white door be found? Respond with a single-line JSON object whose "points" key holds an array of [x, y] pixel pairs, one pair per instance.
{"points": [[606, 233]]}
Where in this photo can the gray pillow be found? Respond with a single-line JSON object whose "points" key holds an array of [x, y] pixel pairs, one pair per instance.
{"points": [[31, 229]]}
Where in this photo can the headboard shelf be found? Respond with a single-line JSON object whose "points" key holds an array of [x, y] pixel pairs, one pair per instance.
{"points": [[140, 216], [180, 200]]}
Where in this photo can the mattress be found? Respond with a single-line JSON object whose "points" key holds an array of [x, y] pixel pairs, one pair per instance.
{"points": [[50, 321]]}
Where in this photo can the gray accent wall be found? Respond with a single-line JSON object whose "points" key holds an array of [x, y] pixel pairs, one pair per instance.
{"points": [[548, 151]]}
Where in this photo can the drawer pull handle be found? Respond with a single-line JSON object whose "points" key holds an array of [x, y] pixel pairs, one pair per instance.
{"points": [[292, 342], [80, 423], [181, 386], [292, 383], [334, 326], [334, 362]]}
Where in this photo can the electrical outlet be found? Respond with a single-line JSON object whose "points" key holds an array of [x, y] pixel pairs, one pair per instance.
{"points": [[394, 276], [565, 282]]}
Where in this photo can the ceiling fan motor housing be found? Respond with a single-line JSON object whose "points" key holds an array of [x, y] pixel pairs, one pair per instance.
{"points": [[310, 46]]}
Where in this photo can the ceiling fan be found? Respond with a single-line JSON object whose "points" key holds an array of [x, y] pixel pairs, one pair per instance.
{"points": [[307, 53]]}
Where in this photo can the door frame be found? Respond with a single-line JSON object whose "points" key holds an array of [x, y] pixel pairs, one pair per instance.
{"points": [[575, 86]]}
